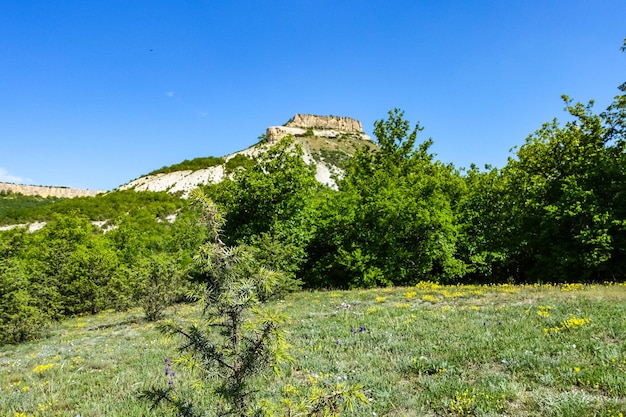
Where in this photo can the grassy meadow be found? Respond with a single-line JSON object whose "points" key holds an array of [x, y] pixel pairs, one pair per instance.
{"points": [[426, 350]]}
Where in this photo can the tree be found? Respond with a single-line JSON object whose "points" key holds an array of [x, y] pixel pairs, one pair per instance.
{"points": [[267, 206], [20, 318], [565, 187], [392, 219], [156, 283], [483, 220], [249, 339]]}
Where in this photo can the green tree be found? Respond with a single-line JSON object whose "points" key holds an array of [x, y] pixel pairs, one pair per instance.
{"points": [[248, 340], [267, 206], [565, 187], [20, 317], [483, 218], [392, 219], [156, 284]]}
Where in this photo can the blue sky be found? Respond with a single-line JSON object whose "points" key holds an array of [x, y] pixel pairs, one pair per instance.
{"points": [[97, 93]]}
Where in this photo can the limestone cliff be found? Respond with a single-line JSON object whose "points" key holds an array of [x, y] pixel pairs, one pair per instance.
{"points": [[322, 126], [48, 191], [345, 124]]}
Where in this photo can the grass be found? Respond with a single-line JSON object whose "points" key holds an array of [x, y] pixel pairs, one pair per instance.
{"points": [[427, 350]]}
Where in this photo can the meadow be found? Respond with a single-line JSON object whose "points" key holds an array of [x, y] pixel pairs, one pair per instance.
{"points": [[426, 350]]}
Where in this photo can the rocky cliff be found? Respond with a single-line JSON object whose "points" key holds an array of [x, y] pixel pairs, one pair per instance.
{"points": [[323, 126], [345, 124], [48, 191]]}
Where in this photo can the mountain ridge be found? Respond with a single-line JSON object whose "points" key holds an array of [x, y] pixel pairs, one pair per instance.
{"points": [[327, 142]]}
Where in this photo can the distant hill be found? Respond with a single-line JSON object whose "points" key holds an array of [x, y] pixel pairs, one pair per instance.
{"points": [[47, 191], [327, 141]]}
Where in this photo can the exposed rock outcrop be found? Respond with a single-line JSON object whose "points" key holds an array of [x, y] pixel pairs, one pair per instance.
{"points": [[322, 126], [48, 191], [345, 124]]}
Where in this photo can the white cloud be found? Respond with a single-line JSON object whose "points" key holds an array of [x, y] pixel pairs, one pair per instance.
{"points": [[170, 94], [5, 176]]}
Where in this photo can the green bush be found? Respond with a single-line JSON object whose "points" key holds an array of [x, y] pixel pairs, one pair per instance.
{"points": [[20, 319], [157, 279], [238, 161]]}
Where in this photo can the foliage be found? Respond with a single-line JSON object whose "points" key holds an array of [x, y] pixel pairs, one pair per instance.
{"points": [[102, 207], [191, 165], [268, 208], [335, 157], [157, 282], [482, 218], [11, 204], [248, 340], [392, 219], [563, 191], [238, 161], [20, 318], [274, 190], [70, 268]]}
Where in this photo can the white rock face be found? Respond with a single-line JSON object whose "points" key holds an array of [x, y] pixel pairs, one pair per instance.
{"points": [[179, 181]]}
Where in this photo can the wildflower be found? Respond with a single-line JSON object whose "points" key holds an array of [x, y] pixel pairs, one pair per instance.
{"points": [[337, 342], [42, 368], [290, 389], [362, 329], [169, 373], [353, 330]]}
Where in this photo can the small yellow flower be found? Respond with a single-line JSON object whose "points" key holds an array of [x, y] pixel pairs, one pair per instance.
{"points": [[430, 298], [42, 368], [290, 389]]}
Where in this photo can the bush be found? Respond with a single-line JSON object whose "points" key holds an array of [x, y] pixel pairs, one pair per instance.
{"points": [[20, 319], [156, 282]]}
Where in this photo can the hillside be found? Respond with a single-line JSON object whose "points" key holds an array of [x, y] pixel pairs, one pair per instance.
{"points": [[327, 141]]}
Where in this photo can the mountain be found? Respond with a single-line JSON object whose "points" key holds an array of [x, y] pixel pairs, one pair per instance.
{"points": [[327, 141]]}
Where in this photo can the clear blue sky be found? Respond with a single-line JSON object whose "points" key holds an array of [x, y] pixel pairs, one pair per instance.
{"points": [[97, 93]]}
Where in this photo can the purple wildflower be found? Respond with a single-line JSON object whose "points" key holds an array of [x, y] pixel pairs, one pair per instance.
{"points": [[362, 329], [353, 330]]}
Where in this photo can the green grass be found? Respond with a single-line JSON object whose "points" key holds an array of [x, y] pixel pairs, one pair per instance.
{"points": [[427, 351]]}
